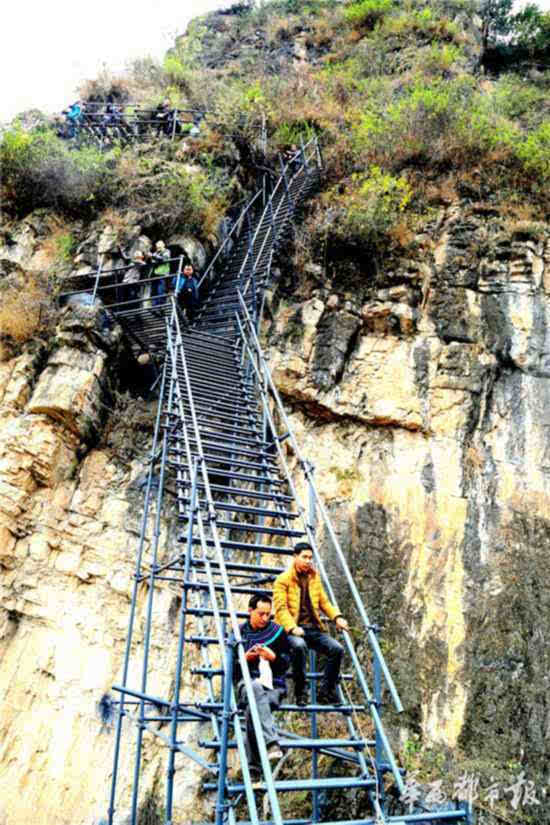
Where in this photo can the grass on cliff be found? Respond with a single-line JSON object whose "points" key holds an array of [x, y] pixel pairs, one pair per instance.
{"points": [[390, 88], [395, 101]]}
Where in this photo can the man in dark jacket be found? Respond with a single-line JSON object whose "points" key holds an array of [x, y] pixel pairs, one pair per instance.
{"points": [[268, 655], [187, 291]]}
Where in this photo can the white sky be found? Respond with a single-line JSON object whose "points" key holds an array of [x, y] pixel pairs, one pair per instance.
{"points": [[49, 48]]}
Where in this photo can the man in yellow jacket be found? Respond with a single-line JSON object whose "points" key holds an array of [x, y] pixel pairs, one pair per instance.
{"points": [[298, 598]]}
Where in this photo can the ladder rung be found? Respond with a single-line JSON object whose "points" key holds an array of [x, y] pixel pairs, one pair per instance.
{"points": [[290, 744], [263, 480], [286, 785], [241, 491], [240, 508], [226, 544], [237, 567], [346, 709], [260, 528]]}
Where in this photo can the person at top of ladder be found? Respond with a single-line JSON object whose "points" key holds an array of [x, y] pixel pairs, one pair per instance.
{"points": [[163, 117], [267, 653], [299, 597], [73, 115]]}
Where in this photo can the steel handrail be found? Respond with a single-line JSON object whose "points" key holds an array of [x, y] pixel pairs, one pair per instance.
{"points": [[273, 216], [309, 477], [268, 208], [238, 223]]}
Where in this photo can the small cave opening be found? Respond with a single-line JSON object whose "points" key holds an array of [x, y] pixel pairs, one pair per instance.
{"points": [[138, 377], [14, 616]]}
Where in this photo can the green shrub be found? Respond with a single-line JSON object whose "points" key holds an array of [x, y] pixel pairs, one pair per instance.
{"points": [[367, 12], [371, 206], [64, 247], [40, 170], [174, 69], [293, 133], [514, 97], [423, 22], [534, 151], [440, 58], [170, 195], [415, 125]]}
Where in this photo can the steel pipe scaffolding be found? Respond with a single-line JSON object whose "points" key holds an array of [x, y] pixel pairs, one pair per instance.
{"points": [[219, 474]]}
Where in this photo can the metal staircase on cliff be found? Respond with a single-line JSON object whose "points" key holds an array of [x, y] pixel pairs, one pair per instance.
{"points": [[220, 460]]}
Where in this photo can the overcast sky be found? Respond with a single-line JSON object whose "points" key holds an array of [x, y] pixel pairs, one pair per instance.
{"points": [[49, 48]]}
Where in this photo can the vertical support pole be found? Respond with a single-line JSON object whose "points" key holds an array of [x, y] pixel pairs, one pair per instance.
{"points": [[178, 275], [302, 152], [254, 299], [179, 664], [312, 518], [283, 175], [226, 718], [264, 135], [248, 251], [379, 746], [96, 285], [319, 155], [316, 813], [133, 608]]}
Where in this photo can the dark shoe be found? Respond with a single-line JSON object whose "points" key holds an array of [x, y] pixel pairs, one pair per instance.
{"points": [[302, 698], [328, 696]]}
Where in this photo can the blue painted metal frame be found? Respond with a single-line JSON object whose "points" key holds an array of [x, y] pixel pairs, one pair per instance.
{"points": [[215, 421]]}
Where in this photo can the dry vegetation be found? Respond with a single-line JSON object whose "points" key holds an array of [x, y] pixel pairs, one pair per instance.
{"points": [[25, 308]]}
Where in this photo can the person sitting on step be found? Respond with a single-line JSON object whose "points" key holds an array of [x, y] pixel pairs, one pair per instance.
{"points": [[298, 596], [268, 655]]}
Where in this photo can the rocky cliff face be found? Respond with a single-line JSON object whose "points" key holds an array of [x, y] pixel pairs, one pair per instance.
{"points": [[421, 396], [72, 470], [419, 391]]}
